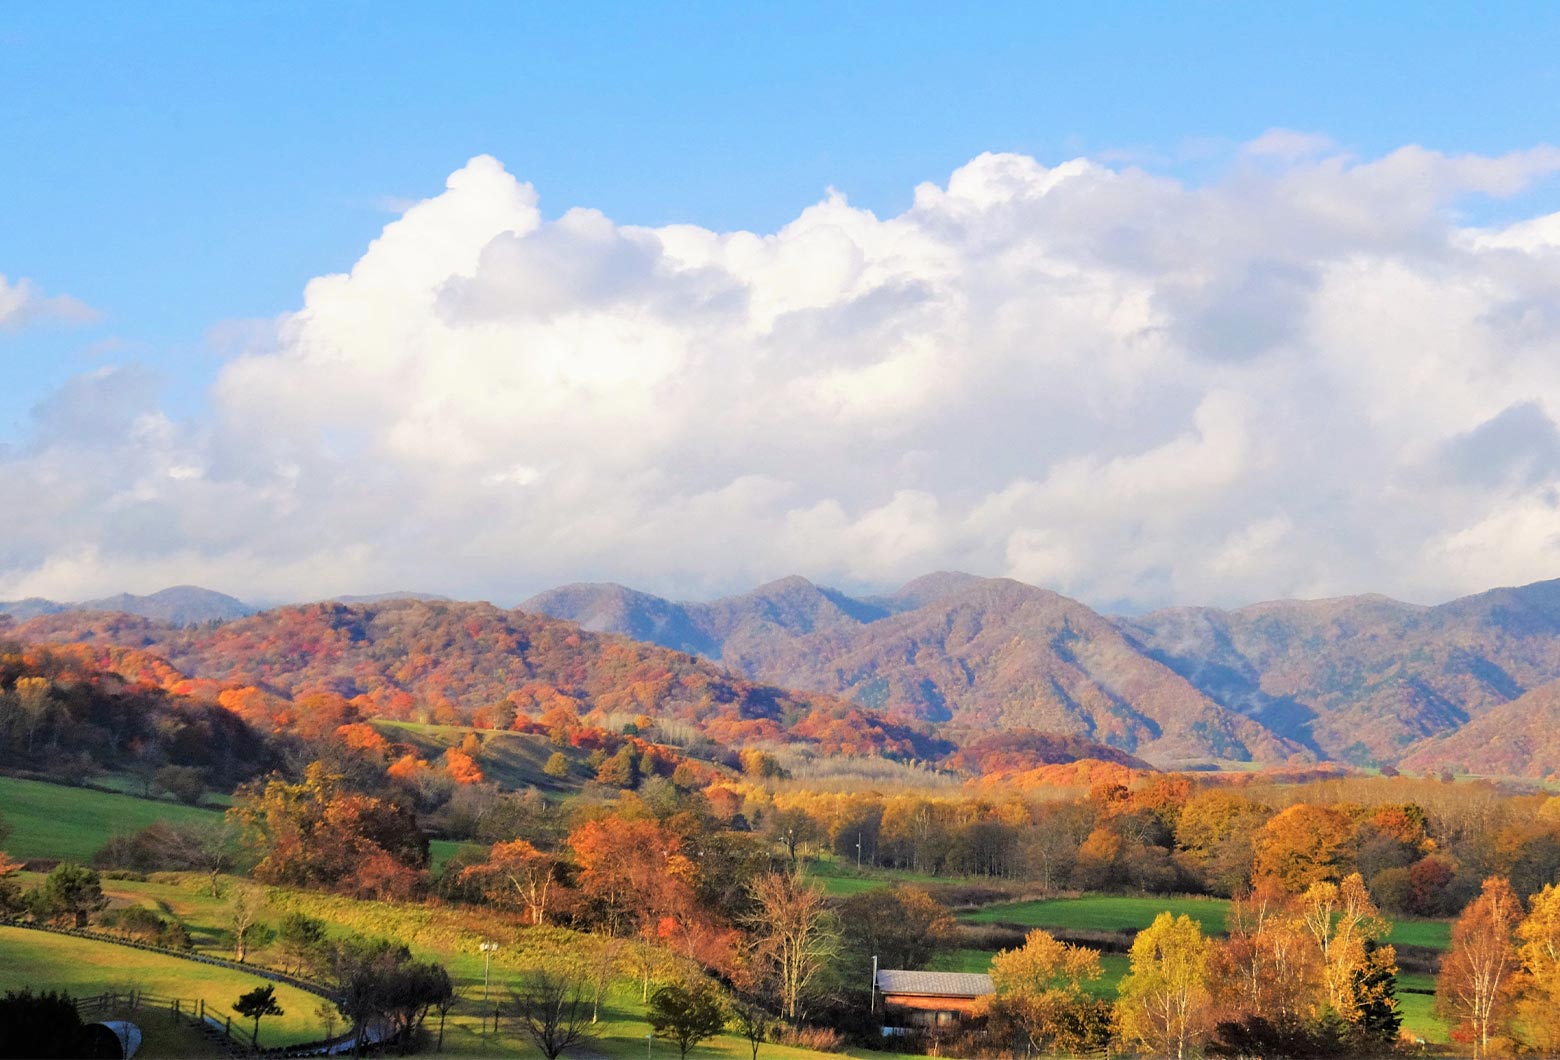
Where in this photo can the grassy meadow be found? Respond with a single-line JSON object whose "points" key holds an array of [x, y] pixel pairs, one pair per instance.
{"points": [[55, 821], [1103, 912], [84, 968]]}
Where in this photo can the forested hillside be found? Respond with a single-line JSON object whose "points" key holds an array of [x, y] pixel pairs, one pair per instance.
{"points": [[1365, 680], [1360, 679], [475, 663]]}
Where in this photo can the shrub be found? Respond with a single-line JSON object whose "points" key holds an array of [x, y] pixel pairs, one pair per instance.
{"points": [[139, 922], [818, 1039]]}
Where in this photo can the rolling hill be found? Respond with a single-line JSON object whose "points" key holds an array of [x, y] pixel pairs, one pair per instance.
{"points": [[408, 658], [1519, 738], [1362, 679]]}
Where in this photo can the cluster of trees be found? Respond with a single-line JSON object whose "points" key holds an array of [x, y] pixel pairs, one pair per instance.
{"points": [[68, 896], [1500, 984], [41, 1026], [66, 712], [1422, 846], [476, 664], [1302, 973]]}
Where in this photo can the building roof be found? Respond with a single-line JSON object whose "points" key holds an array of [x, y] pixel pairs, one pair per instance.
{"points": [[938, 984]]}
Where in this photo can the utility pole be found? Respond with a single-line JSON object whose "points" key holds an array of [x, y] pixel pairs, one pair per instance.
{"points": [[488, 949], [872, 1005], [858, 851]]}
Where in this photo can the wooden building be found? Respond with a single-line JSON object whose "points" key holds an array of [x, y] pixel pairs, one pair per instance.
{"points": [[921, 1000]]}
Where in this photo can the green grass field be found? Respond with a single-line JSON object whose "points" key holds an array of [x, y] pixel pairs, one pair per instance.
{"points": [[449, 935], [441, 850], [85, 968], [1103, 912], [55, 821], [1431, 934], [839, 877], [1123, 913]]}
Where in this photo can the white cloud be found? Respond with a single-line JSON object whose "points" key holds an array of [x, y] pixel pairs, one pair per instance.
{"points": [[22, 304], [1305, 377]]}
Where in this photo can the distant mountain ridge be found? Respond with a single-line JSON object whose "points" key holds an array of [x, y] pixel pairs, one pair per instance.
{"points": [[1364, 679], [948, 648], [179, 605]]}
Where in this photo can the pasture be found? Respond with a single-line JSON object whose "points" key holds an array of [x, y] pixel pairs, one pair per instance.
{"points": [[1102, 912], [1129, 914], [56, 821], [84, 967]]}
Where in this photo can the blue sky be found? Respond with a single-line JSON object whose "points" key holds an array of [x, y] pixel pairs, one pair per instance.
{"points": [[185, 168], [180, 164]]}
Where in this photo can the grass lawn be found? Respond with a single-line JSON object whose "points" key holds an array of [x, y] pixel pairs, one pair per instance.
{"points": [[1431, 934], [55, 821], [447, 935], [1103, 912], [839, 877], [1419, 1020], [441, 850], [963, 961], [1109, 912], [84, 968]]}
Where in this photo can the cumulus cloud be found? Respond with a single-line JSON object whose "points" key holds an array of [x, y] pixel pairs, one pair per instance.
{"points": [[22, 304], [1305, 377]]}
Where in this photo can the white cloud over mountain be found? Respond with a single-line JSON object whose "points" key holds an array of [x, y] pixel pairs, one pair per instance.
{"points": [[1303, 378]]}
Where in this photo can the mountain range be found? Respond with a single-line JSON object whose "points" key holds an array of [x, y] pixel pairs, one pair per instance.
{"points": [[1471, 684], [1363, 679], [180, 605]]}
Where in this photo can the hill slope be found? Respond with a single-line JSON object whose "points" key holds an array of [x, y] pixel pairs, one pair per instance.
{"points": [[1519, 738], [947, 648], [407, 658], [1362, 678]]}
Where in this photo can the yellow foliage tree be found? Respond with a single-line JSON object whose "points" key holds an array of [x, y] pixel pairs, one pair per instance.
{"points": [[1040, 994], [1538, 1011], [1164, 1000], [1342, 921]]}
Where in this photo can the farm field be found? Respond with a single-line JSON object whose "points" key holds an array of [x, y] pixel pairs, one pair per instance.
{"points": [[441, 850], [447, 935], [56, 821], [1123, 913], [1127, 913], [839, 878], [84, 967]]}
